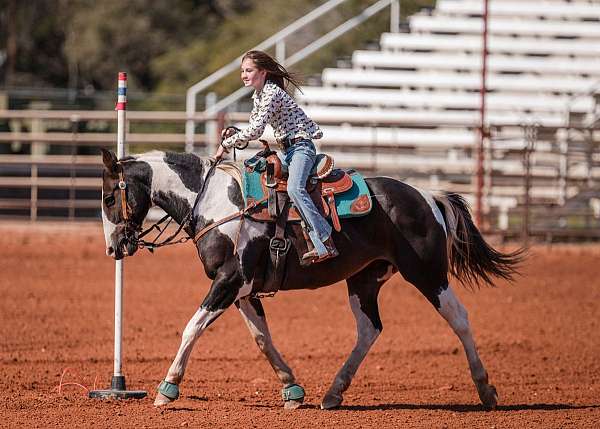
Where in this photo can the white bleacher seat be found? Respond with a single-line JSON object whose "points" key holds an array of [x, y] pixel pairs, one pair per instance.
{"points": [[496, 63], [360, 115], [548, 10], [400, 137], [402, 164], [527, 27], [458, 81], [313, 95], [442, 139], [496, 44]]}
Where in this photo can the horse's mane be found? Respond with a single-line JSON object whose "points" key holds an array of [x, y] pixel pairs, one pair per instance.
{"points": [[182, 160]]}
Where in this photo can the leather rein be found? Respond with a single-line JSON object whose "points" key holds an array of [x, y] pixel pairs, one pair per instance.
{"points": [[151, 245]]}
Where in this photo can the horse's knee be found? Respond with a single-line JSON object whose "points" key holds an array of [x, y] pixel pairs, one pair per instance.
{"points": [[189, 334], [223, 293], [368, 338], [454, 312], [461, 322]]}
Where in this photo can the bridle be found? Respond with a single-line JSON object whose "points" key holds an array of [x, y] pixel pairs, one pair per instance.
{"points": [[122, 185], [131, 227]]}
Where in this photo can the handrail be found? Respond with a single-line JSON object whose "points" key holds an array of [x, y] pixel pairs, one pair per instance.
{"points": [[277, 40]]}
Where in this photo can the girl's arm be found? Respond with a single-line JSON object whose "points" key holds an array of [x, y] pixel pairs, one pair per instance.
{"points": [[259, 118]]}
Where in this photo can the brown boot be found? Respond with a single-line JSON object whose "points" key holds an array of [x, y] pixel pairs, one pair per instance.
{"points": [[313, 255]]}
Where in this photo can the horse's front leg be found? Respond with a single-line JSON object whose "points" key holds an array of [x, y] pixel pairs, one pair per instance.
{"points": [[253, 313], [223, 292]]}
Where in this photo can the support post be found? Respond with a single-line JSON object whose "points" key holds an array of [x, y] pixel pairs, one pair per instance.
{"points": [[482, 124], [530, 141], [211, 132], [395, 16], [190, 124], [118, 389]]}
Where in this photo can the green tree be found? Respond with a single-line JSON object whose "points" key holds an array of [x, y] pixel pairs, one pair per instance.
{"points": [[164, 45]]}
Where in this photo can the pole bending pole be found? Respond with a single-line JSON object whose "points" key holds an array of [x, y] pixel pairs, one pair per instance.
{"points": [[482, 126], [118, 388]]}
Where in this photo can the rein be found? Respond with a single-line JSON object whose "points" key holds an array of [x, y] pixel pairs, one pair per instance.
{"points": [[240, 213], [151, 245]]}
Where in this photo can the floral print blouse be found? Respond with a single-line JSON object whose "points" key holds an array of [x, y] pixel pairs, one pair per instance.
{"points": [[274, 106]]}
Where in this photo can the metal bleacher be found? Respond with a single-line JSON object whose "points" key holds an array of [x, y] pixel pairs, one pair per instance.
{"points": [[411, 108]]}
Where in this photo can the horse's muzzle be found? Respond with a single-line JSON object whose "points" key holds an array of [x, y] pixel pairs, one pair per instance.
{"points": [[124, 247]]}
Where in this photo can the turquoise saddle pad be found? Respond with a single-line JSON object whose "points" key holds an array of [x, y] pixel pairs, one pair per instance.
{"points": [[252, 189]]}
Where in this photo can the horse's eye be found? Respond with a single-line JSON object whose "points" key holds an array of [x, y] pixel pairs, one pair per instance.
{"points": [[109, 200]]}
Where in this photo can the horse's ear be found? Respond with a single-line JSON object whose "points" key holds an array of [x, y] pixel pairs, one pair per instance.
{"points": [[109, 159]]}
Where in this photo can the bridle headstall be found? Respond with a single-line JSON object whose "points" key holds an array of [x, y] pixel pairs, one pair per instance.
{"points": [[130, 225]]}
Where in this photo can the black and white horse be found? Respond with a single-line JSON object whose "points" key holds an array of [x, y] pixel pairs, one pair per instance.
{"points": [[422, 236]]}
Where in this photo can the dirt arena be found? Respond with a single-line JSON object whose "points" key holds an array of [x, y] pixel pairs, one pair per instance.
{"points": [[538, 338]]}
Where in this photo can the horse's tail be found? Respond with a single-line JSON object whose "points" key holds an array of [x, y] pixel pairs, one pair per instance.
{"points": [[470, 257]]}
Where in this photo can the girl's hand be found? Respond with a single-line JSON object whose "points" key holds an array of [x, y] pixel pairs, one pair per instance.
{"points": [[220, 152], [229, 131]]}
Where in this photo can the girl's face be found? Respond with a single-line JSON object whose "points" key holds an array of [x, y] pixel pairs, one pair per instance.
{"points": [[252, 75]]}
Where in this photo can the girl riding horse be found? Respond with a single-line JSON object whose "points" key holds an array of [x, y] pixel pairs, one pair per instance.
{"points": [[294, 132]]}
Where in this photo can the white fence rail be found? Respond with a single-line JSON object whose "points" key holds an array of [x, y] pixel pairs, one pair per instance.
{"points": [[60, 179]]}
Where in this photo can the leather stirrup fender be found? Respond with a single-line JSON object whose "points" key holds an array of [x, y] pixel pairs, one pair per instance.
{"points": [[335, 220]]}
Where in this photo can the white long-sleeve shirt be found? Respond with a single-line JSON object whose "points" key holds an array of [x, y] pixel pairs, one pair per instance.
{"points": [[274, 106]]}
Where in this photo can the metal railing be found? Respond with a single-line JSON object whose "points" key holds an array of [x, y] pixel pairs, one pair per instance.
{"points": [[278, 41]]}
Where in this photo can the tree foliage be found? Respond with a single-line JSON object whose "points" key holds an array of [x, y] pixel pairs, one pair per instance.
{"points": [[165, 45]]}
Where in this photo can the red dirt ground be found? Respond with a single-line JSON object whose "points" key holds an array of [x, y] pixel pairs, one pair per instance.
{"points": [[538, 338]]}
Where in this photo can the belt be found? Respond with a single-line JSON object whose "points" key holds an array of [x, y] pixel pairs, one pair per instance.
{"points": [[286, 142]]}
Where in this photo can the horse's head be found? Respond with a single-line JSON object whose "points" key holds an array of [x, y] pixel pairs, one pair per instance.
{"points": [[125, 203]]}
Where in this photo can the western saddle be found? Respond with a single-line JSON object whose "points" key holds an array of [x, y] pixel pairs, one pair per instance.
{"points": [[323, 183]]}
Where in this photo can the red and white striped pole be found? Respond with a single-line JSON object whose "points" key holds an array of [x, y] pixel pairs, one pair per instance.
{"points": [[118, 389]]}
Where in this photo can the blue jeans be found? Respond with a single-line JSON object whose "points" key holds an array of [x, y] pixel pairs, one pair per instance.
{"points": [[300, 158]]}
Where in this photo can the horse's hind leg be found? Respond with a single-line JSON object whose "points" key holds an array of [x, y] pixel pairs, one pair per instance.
{"points": [[455, 314], [253, 313], [363, 289]]}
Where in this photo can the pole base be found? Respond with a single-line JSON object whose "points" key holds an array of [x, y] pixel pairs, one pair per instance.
{"points": [[117, 391], [117, 394]]}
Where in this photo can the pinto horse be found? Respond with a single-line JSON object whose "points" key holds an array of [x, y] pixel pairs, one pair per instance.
{"points": [[423, 236]]}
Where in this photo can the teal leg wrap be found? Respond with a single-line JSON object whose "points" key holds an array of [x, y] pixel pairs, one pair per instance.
{"points": [[293, 392], [170, 390]]}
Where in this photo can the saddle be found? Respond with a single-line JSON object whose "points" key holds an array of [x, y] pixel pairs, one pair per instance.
{"points": [[323, 184]]}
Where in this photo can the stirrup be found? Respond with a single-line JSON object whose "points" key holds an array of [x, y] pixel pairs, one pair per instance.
{"points": [[311, 255]]}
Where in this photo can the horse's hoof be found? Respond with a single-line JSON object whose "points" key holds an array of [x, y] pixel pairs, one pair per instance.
{"points": [[292, 404], [167, 392], [161, 400], [293, 396], [489, 397], [331, 401]]}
